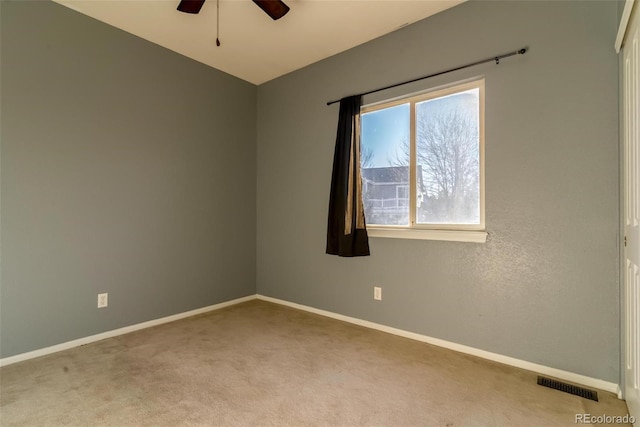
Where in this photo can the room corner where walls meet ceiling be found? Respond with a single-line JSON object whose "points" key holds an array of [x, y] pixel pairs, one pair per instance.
{"points": [[254, 47]]}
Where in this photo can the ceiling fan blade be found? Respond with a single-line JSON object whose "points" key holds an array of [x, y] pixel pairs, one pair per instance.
{"points": [[276, 9], [190, 6]]}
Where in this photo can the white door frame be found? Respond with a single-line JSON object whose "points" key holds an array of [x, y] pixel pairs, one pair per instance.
{"points": [[629, 40]]}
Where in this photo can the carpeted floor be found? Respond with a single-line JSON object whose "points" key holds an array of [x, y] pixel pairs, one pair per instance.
{"points": [[259, 363]]}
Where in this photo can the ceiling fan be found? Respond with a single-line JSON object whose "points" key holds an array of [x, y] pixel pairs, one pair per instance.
{"points": [[276, 9]]}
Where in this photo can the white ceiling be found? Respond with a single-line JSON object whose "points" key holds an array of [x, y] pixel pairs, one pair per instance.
{"points": [[254, 47]]}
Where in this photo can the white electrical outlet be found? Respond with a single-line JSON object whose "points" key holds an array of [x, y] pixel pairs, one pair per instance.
{"points": [[377, 293], [103, 300]]}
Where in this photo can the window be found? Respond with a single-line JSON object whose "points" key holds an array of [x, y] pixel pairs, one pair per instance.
{"points": [[422, 165]]}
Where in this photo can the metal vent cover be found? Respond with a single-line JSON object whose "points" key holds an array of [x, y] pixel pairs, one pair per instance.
{"points": [[568, 388]]}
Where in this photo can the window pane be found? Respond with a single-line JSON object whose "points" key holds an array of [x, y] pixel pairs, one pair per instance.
{"points": [[384, 156], [447, 149]]}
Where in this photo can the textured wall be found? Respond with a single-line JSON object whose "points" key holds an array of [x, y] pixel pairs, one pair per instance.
{"points": [[126, 169], [544, 288]]}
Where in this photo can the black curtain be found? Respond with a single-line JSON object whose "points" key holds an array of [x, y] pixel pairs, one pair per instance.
{"points": [[346, 231]]}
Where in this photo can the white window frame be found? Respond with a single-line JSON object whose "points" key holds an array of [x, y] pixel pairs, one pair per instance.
{"points": [[448, 232]]}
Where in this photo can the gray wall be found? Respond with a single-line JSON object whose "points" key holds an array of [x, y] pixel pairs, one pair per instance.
{"points": [[127, 169], [131, 170], [544, 288]]}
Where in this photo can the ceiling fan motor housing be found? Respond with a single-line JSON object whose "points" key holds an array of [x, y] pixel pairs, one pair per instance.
{"points": [[276, 9]]}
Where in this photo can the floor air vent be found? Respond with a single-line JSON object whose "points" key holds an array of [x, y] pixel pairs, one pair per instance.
{"points": [[568, 388]]}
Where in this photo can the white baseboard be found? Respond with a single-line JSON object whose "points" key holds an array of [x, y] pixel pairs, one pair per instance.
{"points": [[523, 364], [121, 331]]}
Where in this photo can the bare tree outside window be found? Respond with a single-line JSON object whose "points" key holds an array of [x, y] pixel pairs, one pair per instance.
{"points": [[366, 157], [385, 184], [447, 152], [446, 182]]}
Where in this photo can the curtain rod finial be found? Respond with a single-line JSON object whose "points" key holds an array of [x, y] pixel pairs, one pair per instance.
{"points": [[495, 58]]}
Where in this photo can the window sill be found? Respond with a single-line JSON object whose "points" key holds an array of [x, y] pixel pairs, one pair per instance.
{"points": [[472, 236]]}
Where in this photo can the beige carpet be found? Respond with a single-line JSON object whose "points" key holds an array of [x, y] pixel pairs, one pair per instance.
{"points": [[259, 363]]}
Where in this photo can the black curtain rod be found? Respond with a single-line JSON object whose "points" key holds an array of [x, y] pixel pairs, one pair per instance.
{"points": [[494, 58]]}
